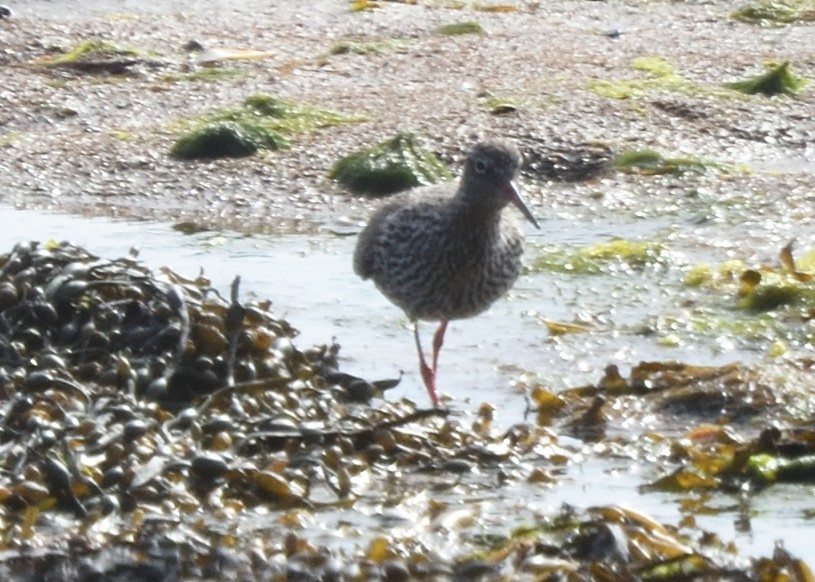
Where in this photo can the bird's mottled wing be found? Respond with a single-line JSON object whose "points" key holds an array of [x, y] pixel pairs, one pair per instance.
{"points": [[366, 249]]}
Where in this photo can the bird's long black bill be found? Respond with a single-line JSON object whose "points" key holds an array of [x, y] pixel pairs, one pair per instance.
{"points": [[514, 196]]}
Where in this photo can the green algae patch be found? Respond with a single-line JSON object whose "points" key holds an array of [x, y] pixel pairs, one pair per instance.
{"points": [[373, 47], [94, 57], [778, 80], [122, 135], [288, 117], [495, 8], [765, 469], [649, 162], [364, 5], [225, 139], [660, 76], [656, 65], [397, 164], [260, 122], [775, 12], [723, 324], [461, 28], [205, 75], [501, 105], [762, 306], [763, 288], [767, 289], [698, 275], [773, 293], [92, 50], [616, 254], [804, 263]]}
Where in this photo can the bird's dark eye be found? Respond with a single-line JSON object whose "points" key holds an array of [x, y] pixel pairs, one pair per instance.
{"points": [[480, 166]]}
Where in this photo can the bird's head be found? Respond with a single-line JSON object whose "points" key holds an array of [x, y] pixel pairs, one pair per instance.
{"points": [[488, 176]]}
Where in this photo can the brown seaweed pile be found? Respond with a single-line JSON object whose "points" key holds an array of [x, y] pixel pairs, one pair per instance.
{"points": [[152, 429]]}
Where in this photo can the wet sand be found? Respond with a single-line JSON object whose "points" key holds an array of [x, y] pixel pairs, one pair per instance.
{"points": [[99, 146]]}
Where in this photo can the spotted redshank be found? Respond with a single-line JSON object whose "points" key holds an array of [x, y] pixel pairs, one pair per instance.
{"points": [[444, 252]]}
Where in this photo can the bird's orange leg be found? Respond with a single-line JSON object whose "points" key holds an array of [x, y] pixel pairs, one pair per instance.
{"points": [[438, 342], [428, 374]]}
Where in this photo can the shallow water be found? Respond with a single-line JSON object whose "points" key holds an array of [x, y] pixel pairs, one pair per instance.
{"points": [[311, 284]]}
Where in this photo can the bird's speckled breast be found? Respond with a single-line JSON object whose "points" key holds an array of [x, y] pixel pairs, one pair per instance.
{"points": [[436, 269]]}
